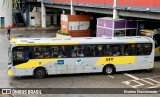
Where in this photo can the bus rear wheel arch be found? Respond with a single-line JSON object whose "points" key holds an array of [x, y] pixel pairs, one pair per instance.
{"points": [[40, 72], [109, 69]]}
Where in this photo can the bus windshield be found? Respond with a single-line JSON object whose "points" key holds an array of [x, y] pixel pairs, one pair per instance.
{"points": [[156, 38]]}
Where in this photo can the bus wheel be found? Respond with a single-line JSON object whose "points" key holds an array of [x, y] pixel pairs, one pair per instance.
{"points": [[39, 72], [109, 69]]}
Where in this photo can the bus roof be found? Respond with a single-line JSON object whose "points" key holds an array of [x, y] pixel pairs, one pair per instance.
{"points": [[75, 41]]}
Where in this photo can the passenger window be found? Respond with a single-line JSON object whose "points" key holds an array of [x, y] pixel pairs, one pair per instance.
{"points": [[140, 49], [68, 51], [41, 52], [89, 52], [61, 52], [115, 50], [147, 48], [129, 49], [98, 50], [74, 51], [54, 52], [80, 51], [108, 50]]}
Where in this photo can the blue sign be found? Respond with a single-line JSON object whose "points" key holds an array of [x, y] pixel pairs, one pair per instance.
{"points": [[141, 26], [60, 62]]}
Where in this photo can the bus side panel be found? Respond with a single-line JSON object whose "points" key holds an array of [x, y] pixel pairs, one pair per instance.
{"points": [[20, 72], [89, 65], [51, 68], [141, 62]]}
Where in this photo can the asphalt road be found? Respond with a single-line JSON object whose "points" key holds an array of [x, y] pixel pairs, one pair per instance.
{"points": [[132, 79]]}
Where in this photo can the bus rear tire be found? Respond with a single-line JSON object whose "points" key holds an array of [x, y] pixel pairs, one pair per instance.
{"points": [[39, 72], [109, 69]]}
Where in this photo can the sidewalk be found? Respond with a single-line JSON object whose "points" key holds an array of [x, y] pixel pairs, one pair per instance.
{"points": [[32, 28]]}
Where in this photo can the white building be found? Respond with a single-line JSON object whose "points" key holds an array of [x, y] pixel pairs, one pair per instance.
{"points": [[6, 13]]}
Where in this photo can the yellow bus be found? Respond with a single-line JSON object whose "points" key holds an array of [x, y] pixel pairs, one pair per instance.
{"points": [[155, 35], [48, 56]]}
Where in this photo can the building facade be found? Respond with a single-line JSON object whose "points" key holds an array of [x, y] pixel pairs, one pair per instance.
{"points": [[6, 13]]}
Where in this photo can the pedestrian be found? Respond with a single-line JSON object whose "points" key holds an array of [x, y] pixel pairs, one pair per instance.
{"points": [[8, 31]]}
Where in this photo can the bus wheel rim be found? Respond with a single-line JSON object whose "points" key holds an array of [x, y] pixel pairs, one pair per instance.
{"points": [[109, 70], [39, 72]]}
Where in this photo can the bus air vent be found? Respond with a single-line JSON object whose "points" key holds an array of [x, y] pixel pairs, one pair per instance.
{"points": [[108, 38], [138, 37], [68, 39], [88, 38], [23, 40], [128, 38], [30, 42], [36, 39], [56, 39]]}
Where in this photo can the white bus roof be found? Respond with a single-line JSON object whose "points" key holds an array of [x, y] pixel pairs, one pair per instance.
{"points": [[82, 40]]}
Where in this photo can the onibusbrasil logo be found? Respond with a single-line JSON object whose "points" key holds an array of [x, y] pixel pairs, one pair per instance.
{"points": [[79, 62]]}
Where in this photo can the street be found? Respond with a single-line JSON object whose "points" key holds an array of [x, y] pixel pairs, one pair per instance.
{"points": [[130, 79]]}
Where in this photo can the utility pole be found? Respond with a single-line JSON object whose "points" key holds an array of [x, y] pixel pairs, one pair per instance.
{"points": [[115, 11], [72, 9]]}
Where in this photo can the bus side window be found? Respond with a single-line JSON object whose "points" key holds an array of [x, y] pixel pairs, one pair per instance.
{"points": [[74, 51], [98, 50], [89, 51], [46, 52], [140, 49], [68, 51], [115, 50], [129, 49], [147, 48], [54, 51], [80, 51]]}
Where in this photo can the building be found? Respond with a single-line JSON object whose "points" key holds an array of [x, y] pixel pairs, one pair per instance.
{"points": [[6, 13]]}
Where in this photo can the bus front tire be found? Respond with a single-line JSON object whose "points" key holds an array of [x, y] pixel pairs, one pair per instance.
{"points": [[39, 73], [109, 69]]}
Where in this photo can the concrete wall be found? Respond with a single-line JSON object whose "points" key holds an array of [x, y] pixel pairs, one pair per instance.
{"points": [[37, 16], [48, 20], [6, 12]]}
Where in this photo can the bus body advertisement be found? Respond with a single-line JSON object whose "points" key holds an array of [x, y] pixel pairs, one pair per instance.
{"points": [[48, 56]]}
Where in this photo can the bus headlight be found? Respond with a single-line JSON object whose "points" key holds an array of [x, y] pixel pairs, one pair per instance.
{"points": [[9, 67], [10, 73]]}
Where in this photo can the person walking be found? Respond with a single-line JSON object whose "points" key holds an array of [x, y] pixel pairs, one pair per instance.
{"points": [[8, 31]]}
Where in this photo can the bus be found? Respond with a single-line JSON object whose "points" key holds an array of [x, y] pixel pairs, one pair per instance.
{"points": [[155, 35], [49, 56]]}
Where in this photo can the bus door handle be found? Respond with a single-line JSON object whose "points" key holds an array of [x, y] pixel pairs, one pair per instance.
{"points": [[145, 57]]}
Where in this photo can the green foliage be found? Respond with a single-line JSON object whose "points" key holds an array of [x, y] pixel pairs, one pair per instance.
{"points": [[62, 33]]}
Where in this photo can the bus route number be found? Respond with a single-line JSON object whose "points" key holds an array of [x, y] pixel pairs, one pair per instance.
{"points": [[109, 59]]}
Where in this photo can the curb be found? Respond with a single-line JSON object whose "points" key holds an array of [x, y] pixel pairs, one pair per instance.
{"points": [[28, 28]]}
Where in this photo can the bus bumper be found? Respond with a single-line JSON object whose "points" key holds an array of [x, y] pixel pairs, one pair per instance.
{"points": [[10, 73]]}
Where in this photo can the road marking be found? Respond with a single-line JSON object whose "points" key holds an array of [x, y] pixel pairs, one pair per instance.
{"points": [[147, 82], [142, 81], [156, 86], [133, 86], [153, 80], [129, 75], [111, 76]]}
